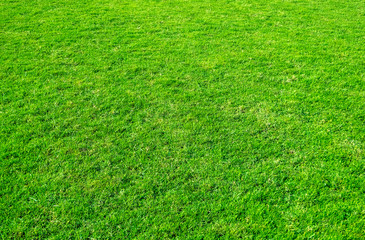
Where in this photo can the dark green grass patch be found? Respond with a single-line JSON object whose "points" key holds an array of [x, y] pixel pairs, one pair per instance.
{"points": [[182, 119]]}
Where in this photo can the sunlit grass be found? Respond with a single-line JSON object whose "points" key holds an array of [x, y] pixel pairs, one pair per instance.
{"points": [[182, 119]]}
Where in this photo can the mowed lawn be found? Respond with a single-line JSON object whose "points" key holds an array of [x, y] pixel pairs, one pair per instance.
{"points": [[182, 119]]}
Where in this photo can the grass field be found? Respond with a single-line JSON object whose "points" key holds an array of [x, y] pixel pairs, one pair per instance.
{"points": [[182, 119]]}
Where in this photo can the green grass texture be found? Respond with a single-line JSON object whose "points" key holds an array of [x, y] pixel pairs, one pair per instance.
{"points": [[182, 119]]}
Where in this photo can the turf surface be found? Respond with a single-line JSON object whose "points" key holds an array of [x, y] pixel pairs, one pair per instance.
{"points": [[182, 119]]}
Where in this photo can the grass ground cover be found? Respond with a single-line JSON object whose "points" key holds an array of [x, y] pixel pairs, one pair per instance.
{"points": [[182, 119]]}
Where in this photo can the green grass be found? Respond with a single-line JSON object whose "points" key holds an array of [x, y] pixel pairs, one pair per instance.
{"points": [[182, 119]]}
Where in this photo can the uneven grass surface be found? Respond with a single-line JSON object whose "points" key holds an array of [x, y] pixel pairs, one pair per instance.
{"points": [[182, 119]]}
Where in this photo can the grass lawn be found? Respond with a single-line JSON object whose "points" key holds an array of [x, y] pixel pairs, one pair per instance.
{"points": [[182, 119]]}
